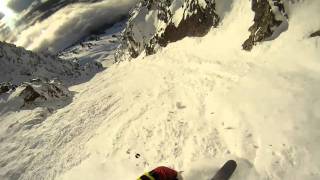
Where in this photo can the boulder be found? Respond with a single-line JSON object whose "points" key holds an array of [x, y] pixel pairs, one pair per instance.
{"points": [[38, 90], [35, 93], [6, 87]]}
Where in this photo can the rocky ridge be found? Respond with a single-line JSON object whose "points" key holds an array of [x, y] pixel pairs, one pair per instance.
{"points": [[270, 20], [153, 24], [27, 77], [19, 65]]}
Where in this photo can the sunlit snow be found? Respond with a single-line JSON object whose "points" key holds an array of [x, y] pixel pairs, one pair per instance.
{"points": [[192, 106]]}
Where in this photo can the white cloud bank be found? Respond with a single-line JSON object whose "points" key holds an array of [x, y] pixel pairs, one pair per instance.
{"points": [[18, 5], [71, 23]]}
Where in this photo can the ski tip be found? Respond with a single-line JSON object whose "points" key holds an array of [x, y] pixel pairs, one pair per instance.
{"points": [[226, 171], [231, 163], [230, 166]]}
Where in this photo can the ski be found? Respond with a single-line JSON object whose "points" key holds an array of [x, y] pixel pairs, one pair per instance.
{"points": [[226, 171]]}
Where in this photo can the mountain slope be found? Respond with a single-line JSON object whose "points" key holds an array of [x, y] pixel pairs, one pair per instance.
{"points": [[99, 47], [208, 101], [18, 65], [191, 106], [155, 24]]}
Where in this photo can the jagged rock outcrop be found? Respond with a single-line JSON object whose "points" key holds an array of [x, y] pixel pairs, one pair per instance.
{"points": [[40, 91], [317, 33], [32, 94], [19, 65], [6, 86], [270, 21], [154, 24]]}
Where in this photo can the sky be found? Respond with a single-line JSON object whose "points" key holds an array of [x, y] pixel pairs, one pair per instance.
{"points": [[18, 5], [6, 11], [57, 31]]}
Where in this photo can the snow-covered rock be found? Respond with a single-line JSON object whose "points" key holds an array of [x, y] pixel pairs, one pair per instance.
{"points": [[154, 24], [191, 106], [34, 93], [19, 65], [99, 47], [269, 21], [39, 90], [157, 23]]}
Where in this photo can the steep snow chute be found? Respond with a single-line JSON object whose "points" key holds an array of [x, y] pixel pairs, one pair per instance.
{"points": [[191, 106]]}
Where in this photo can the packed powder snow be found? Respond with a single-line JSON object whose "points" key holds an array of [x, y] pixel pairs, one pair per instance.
{"points": [[192, 106]]}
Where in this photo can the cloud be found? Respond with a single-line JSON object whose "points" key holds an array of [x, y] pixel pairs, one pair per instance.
{"points": [[71, 23], [19, 5]]}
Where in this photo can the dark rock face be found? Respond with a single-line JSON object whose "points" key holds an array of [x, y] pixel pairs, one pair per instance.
{"points": [[35, 93], [41, 90], [197, 24], [317, 33], [158, 23], [5, 87], [29, 94], [268, 17]]}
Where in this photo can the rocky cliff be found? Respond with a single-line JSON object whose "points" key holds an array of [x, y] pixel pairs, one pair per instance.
{"points": [[270, 20], [153, 24]]}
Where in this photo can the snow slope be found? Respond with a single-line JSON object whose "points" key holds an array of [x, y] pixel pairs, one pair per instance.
{"points": [[19, 65], [99, 48], [192, 106]]}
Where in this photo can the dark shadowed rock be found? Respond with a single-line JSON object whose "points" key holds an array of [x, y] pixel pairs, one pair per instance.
{"points": [[317, 33], [197, 24], [29, 94], [36, 93], [270, 21], [157, 23], [41, 91], [6, 86]]}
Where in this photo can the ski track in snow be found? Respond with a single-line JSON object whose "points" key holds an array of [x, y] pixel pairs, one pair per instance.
{"points": [[192, 106]]}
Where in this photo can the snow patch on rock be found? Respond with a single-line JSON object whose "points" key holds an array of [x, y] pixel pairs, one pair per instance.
{"points": [[155, 24]]}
